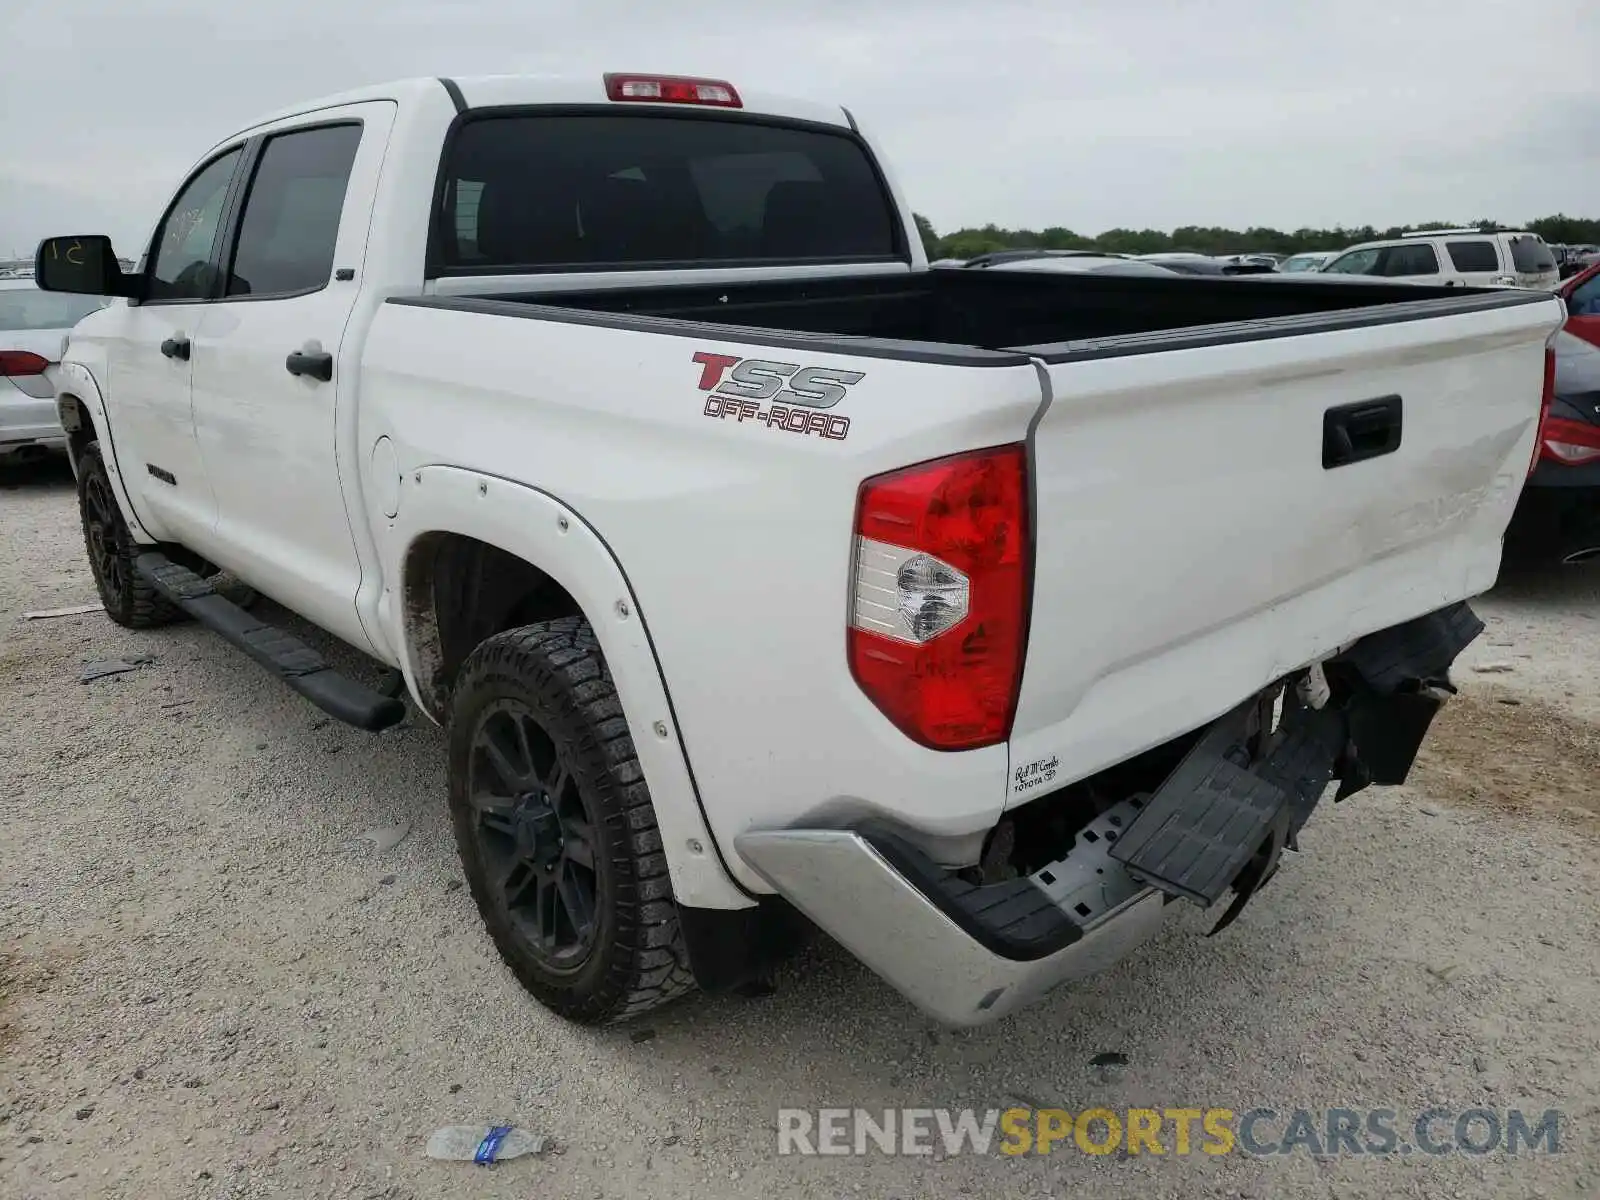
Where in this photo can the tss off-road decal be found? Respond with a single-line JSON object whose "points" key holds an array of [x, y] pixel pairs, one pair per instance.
{"points": [[797, 393]]}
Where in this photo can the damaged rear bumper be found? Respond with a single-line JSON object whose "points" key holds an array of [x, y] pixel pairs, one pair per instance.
{"points": [[968, 953]]}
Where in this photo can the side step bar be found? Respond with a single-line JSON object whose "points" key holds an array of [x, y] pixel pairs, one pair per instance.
{"points": [[296, 663]]}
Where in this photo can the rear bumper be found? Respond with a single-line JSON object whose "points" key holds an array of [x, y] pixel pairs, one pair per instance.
{"points": [[26, 420], [848, 886], [968, 953]]}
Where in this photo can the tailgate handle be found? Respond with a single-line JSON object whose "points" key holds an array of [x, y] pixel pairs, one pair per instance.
{"points": [[1365, 429]]}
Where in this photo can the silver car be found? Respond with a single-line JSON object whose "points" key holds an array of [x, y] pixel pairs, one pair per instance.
{"points": [[1306, 260], [33, 330]]}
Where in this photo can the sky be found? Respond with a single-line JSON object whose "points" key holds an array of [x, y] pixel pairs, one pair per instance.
{"points": [[1088, 114]]}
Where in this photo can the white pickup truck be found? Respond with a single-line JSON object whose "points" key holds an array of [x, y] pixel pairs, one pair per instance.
{"points": [[755, 567]]}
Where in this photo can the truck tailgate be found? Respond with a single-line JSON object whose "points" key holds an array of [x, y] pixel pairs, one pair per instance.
{"points": [[1201, 528]]}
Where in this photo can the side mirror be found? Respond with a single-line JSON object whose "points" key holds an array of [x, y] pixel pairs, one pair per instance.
{"points": [[84, 264]]}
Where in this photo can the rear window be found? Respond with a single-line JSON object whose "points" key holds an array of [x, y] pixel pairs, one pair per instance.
{"points": [[29, 308], [1479, 255], [596, 191], [1530, 256]]}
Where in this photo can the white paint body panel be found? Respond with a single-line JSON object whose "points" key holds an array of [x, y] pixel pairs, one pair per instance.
{"points": [[1190, 548], [736, 539], [280, 506]]}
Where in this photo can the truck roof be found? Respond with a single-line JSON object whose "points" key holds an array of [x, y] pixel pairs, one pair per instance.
{"points": [[494, 91]]}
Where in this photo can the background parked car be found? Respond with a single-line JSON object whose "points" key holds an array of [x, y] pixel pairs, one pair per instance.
{"points": [[1310, 260], [1571, 260], [1558, 514], [1076, 262], [1185, 264], [1248, 264], [1455, 258], [33, 329]]}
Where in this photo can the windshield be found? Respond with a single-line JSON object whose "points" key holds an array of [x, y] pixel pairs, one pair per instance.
{"points": [[1302, 262], [29, 308], [1356, 262], [1530, 256], [525, 192]]}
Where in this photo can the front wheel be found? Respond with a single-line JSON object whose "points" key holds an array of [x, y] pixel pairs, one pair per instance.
{"points": [[129, 599], [555, 826]]}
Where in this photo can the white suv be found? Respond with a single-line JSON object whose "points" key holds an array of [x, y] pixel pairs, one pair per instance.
{"points": [[1455, 258]]}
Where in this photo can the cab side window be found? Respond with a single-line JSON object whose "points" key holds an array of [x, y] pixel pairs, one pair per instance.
{"points": [[291, 213], [1410, 260], [1477, 255], [181, 254]]}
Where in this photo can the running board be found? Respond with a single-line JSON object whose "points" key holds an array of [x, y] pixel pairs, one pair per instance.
{"points": [[285, 655]]}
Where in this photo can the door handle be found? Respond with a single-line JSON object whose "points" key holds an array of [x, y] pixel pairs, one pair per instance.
{"points": [[1367, 429], [176, 347], [317, 366]]}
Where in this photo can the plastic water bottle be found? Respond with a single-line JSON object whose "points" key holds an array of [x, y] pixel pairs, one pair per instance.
{"points": [[483, 1144]]}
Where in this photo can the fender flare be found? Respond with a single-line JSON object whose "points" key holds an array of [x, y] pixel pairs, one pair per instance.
{"points": [[538, 529], [76, 384]]}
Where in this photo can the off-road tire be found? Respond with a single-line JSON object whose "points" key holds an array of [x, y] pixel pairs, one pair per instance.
{"points": [[638, 960], [129, 599]]}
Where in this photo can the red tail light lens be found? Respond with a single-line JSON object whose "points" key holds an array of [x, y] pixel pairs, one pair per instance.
{"points": [[939, 615], [672, 89], [1546, 398], [1570, 443], [22, 362]]}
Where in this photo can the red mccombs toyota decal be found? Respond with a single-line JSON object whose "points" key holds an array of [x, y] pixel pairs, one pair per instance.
{"points": [[780, 395]]}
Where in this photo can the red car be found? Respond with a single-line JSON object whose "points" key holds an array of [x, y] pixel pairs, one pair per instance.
{"points": [[1558, 516]]}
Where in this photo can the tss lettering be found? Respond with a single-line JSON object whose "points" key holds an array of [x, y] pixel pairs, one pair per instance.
{"points": [[782, 382]]}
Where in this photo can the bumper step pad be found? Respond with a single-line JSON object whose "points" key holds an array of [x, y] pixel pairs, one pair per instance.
{"points": [[1220, 821]]}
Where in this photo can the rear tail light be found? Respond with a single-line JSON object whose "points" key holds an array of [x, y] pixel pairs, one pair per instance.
{"points": [[672, 89], [22, 362], [939, 615], [1570, 443], [1546, 399]]}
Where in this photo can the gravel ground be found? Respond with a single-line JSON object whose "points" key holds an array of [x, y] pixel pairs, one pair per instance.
{"points": [[211, 986]]}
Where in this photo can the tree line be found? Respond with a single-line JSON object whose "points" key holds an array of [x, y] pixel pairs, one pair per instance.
{"points": [[965, 243]]}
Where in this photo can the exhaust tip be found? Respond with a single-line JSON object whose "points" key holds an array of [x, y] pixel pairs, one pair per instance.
{"points": [[1582, 556]]}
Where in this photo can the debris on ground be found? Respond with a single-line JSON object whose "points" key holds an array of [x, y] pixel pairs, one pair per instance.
{"points": [[1494, 668], [76, 610], [483, 1144], [386, 837], [102, 668]]}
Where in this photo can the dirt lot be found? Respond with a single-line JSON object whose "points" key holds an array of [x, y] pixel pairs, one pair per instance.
{"points": [[210, 985]]}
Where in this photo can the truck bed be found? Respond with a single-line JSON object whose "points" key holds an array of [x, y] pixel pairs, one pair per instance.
{"points": [[936, 315]]}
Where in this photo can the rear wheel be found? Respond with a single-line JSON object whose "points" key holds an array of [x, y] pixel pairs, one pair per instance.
{"points": [[555, 827], [129, 599]]}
